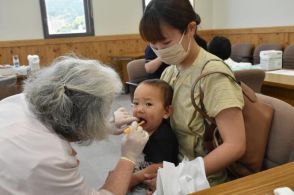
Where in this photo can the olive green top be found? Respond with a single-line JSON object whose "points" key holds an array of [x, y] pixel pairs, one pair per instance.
{"points": [[220, 93]]}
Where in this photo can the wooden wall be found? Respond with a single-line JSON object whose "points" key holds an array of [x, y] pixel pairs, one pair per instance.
{"points": [[103, 47], [98, 47], [283, 35]]}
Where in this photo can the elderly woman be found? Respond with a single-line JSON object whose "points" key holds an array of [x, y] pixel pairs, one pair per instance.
{"points": [[68, 102]]}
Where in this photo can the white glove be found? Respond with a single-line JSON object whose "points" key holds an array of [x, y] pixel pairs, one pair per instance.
{"points": [[122, 117], [134, 142]]}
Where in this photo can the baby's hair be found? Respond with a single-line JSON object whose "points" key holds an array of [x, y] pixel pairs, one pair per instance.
{"points": [[165, 88]]}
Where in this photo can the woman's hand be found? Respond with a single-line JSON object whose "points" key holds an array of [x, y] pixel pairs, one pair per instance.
{"points": [[121, 118], [132, 146], [134, 142]]}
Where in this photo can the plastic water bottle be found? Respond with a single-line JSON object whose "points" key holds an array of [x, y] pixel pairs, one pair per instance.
{"points": [[15, 61], [34, 63]]}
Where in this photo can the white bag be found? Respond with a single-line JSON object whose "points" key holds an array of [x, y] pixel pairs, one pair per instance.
{"points": [[187, 177]]}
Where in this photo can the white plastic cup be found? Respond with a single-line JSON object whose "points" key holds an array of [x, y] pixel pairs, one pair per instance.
{"points": [[34, 63]]}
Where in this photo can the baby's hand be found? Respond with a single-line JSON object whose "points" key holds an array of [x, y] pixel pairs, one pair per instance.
{"points": [[150, 181], [152, 169]]}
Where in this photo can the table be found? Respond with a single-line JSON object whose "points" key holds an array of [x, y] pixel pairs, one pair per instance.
{"points": [[280, 84], [20, 82], [12, 81], [260, 183], [120, 62]]}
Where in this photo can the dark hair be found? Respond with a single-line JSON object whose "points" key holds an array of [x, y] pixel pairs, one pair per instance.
{"points": [[176, 13], [220, 46], [200, 41], [165, 88]]}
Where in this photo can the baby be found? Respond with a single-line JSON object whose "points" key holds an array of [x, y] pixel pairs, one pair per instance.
{"points": [[152, 104]]}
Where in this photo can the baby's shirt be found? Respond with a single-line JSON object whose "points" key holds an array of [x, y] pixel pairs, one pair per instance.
{"points": [[161, 146]]}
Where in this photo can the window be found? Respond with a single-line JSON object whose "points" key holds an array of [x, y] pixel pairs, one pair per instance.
{"points": [[146, 2], [67, 18]]}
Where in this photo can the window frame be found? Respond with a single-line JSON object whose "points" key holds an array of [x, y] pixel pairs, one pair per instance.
{"points": [[88, 20], [144, 6]]}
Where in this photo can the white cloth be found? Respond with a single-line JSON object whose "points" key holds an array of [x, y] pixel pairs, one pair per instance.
{"points": [[240, 65], [283, 191], [34, 160], [187, 177]]}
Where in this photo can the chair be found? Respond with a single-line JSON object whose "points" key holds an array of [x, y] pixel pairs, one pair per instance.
{"points": [[7, 86], [288, 57], [280, 147], [251, 77], [136, 73], [264, 47], [242, 52]]}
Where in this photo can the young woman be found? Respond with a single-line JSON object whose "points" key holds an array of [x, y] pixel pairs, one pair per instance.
{"points": [[169, 26]]}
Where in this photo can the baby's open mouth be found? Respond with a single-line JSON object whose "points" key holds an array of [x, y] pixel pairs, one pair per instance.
{"points": [[142, 120]]}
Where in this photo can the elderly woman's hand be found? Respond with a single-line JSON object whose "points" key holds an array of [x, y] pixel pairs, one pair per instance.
{"points": [[122, 118], [134, 142]]}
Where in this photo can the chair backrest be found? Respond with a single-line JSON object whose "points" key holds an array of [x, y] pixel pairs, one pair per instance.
{"points": [[288, 57], [251, 77], [281, 138], [136, 71], [264, 47], [242, 52], [7, 86]]}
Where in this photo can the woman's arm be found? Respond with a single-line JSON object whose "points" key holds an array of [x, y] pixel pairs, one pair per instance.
{"points": [[231, 127], [132, 146], [152, 65], [139, 176], [118, 180]]}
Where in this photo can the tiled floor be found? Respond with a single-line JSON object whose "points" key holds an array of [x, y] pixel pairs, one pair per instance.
{"points": [[100, 157]]}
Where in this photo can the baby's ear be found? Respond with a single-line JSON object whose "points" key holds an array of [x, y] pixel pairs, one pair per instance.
{"points": [[168, 112]]}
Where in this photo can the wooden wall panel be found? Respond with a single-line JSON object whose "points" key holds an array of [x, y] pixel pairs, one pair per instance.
{"points": [[4, 54], [101, 48], [256, 36], [104, 47]]}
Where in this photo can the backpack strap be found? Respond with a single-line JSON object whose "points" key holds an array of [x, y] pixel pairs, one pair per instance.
{"points": [[210, 124], [201, 109], [216, 60]]}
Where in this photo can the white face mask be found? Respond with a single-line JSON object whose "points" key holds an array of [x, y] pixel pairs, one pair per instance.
{"points": [[174, 54]]}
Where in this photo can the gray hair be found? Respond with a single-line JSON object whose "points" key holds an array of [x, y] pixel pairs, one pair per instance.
{"points": [[73, 97]]}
